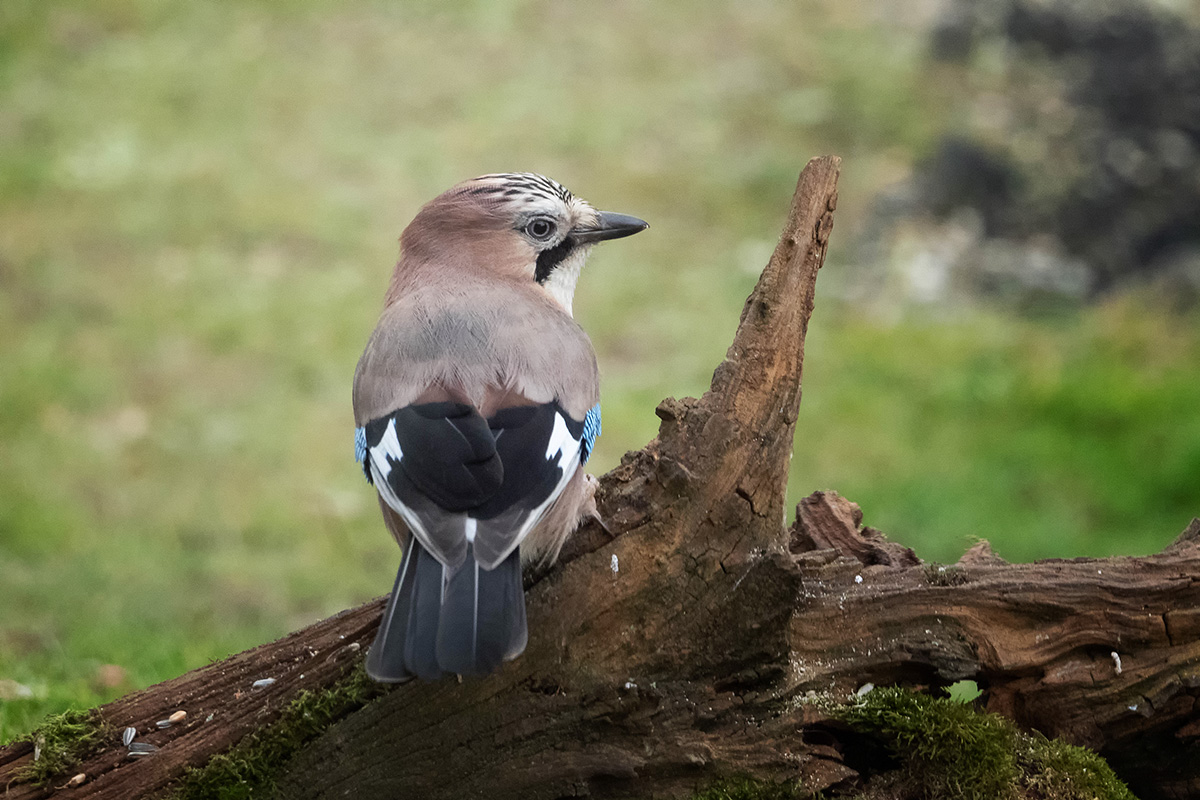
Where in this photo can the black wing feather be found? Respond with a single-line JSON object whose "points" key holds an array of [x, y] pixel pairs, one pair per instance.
{"points": [[449, 454]]}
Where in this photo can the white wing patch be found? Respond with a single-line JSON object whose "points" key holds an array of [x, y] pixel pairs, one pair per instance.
{"points": [[389, 445], [389, 497], [563, 448], [535, 516], [561, 441]]}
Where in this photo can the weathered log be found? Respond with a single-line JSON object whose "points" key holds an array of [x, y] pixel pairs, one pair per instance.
{"points": [[681, 645], [222, 704]]}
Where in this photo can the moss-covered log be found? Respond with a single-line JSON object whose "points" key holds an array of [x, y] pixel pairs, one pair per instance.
{"points": [[685, 645]]}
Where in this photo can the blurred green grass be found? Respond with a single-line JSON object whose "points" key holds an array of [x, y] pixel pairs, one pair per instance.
{"points": [[199, 205]]}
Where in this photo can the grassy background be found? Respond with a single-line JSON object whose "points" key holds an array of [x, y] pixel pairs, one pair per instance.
{"points": [[199, 204]]}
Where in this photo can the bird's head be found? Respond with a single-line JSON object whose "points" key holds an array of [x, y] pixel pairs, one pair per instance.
{"points": [[520, 226]]}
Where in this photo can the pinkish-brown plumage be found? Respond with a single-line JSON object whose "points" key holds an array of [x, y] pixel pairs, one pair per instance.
{"points": [[474, 396]]}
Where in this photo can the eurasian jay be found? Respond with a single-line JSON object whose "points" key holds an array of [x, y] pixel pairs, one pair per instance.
{"points": [[477, 404]]}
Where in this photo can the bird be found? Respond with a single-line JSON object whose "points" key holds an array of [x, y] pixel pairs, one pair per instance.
{"points": [[476, 405]]}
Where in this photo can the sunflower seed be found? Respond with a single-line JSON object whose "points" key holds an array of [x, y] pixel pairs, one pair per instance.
{"points": [[262, 683], [127, 736]]}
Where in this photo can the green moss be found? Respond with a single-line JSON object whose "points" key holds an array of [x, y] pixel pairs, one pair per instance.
{"points": [[1058, 771], [947, 749], [954, 751], [743, 788], [248, 770], [942, 575], [61, 742]]}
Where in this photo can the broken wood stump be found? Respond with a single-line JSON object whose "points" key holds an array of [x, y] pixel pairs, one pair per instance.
{"points": [[687, 642]]}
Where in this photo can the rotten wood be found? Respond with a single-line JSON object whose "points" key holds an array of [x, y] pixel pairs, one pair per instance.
{"points": [[682, 644]]}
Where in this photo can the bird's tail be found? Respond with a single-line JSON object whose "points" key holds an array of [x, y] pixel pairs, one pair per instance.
{"points": [[464, 620]]}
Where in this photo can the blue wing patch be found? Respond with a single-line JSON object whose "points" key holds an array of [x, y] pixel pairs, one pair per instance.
{"points": [[591, 432], [360, 451]]}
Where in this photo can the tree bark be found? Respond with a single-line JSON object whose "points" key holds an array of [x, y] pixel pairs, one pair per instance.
{"points": [[680, 645]]}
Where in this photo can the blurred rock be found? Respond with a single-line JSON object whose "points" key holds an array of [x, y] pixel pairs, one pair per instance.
{"points": [[1083, 177], [11, 690], [963, 174]]}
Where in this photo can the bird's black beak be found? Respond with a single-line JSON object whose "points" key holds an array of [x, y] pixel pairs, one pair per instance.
{"points": [[610, 226]]}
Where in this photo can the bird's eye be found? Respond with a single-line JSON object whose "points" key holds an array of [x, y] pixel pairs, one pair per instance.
{"points": [[540, 229]]}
